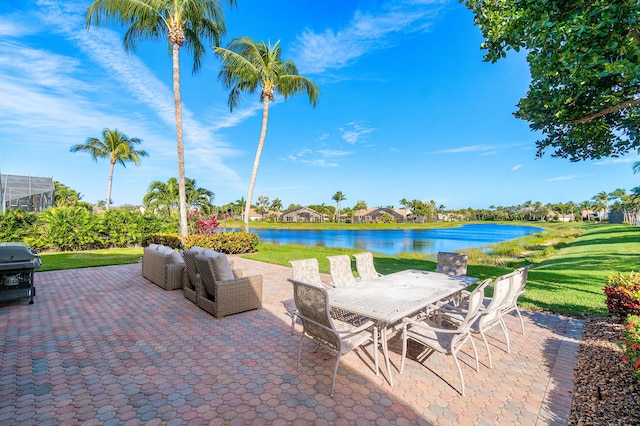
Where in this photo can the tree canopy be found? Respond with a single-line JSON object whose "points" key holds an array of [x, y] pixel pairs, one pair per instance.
{"points": [[583, 56]]}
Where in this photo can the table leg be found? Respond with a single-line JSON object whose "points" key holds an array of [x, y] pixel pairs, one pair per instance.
{"points": [[385, 352]]}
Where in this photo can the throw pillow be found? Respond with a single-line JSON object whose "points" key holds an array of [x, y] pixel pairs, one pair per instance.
{"points": [[225, 273]]}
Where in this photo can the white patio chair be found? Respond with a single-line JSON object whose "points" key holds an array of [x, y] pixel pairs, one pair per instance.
{"points": [[517, 289], [365, 267], [341, 273], [334, 335], [453, 264], [490, 313], [307, 271], [441, 339]]}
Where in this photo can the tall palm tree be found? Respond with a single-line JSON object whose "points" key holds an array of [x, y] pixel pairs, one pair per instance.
{"points": [[184, 23], [338, 197], [115, 145], [248, 66]]}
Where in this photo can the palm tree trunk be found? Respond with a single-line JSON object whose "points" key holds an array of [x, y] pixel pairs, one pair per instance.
{"points": [[108, 203], [178, 103], [256, 162]]}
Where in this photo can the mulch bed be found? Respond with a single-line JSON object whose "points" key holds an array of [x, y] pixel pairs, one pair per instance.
{"points": [[605, 392]]}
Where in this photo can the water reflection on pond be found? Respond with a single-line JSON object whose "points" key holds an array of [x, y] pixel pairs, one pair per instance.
{"points": [[393, 242]]}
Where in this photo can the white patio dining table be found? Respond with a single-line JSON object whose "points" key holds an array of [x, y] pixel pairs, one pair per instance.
{"points": [[388, 299]]}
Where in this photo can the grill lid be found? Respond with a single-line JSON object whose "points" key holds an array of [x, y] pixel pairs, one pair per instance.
{"points": [[17, 253]]}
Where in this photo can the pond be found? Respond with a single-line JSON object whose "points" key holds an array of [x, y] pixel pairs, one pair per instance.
{"points": [[393, 242]]}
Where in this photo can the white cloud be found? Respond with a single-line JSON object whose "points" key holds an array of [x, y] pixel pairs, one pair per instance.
{"points": [[569, 177], [353, 132], [317, 52], [516, 167], [318, 158], [62, 94], [619, 160], [482, 149]]}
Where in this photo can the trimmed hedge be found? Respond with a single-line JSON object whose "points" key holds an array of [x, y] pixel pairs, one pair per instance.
{"points": [[225, 242], [170, 240]]}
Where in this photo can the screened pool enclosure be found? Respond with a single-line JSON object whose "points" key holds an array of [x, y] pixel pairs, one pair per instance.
{"points": [[27, 192]]}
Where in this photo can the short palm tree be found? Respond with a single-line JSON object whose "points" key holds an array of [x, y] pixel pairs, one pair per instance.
{"points": [[115, 145], [248, 66], [184, 23], [164, 197], [338, 197]]}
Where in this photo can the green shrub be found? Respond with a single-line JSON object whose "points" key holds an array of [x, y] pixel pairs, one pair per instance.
{"points": [[119, 228], [225, 242], [623, 294], [65, 229], [631, 345], [170, 240], [16, 224]]}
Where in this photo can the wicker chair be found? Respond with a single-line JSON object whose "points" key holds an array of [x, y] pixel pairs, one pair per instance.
{"points": [[163, 268], [190, 287], [341, 273], [453, 264], [222, 298], [364, 265], [332, 334]]}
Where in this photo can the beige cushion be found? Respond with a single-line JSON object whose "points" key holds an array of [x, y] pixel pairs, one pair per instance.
{"points": [[176, 257], [210, 253], [165, 250], [225, 273]]}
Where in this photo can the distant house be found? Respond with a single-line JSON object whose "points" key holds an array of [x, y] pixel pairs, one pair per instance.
{"points": [[560, 217], [380, 214], [254, 215], [302, 214]]}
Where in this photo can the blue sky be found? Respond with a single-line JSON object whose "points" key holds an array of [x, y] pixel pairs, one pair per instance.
{"points": [[407, 109]]}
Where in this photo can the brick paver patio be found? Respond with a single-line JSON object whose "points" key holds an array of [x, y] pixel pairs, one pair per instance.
{"points": [[105, 346]]}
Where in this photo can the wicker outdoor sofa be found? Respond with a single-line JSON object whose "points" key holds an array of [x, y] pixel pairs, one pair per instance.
{"points": [[164, 267], [215, 287]]}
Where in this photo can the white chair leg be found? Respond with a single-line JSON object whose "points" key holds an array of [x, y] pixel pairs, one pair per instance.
{"points": [[486, 345], [506, 334], [299, 349], [475, 353], [521, 320], [335, 372], [455, 359], [404, 350]]}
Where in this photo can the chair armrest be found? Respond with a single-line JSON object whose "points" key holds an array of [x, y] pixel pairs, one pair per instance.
{"points": [[362, 327], [423, 325]]}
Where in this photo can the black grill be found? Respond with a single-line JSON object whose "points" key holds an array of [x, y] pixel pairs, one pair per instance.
{"points": [[17, 263]]}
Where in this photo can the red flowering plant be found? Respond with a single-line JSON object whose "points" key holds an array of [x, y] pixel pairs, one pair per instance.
{"points": [[623, 294], [201, 224], [631, 345]]}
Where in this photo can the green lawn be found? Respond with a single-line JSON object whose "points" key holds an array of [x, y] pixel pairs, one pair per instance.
{"points": [[568, 279], [88, 258]]}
